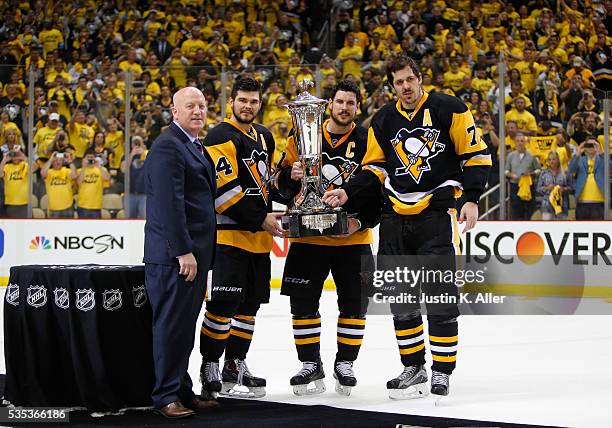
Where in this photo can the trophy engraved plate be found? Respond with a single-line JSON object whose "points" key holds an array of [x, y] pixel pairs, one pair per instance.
{"points": [[310, 216]]}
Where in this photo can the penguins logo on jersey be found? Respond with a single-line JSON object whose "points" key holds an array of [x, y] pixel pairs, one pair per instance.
{"points": [[336, 171], [257, 165], [414, 149]]}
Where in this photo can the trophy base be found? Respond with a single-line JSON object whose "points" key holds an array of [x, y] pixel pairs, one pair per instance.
{"points": [[302, 225]]}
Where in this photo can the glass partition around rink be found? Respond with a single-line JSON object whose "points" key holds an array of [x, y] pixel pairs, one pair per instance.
{"points": [[75, 138]]}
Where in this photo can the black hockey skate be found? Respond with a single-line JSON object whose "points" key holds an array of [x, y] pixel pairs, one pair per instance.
{"points": [[439, 385], [345, 377], [210, 379], [239, 382], [312, 371], [411, 383]]}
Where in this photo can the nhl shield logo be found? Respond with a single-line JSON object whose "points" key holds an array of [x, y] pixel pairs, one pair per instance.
{"points": [[85, 299], [140, 296], [62, 298], [111, 300], [37, 296], [12, 294]]}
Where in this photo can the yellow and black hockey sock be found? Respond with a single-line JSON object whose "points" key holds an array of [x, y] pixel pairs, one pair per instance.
{"points": [[213, 336], [410, 340], [241, 335], [350, 336], [443, 341], [307, 335]]}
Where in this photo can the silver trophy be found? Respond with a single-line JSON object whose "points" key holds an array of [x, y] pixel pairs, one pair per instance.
{"points": [[310, 216]]}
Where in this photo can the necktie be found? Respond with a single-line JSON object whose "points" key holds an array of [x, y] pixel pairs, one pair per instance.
{"points": [[198, 145]]}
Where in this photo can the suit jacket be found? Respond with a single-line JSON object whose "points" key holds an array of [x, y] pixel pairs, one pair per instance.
{"points": [[180, 187], [161, 53], [579, 166]]}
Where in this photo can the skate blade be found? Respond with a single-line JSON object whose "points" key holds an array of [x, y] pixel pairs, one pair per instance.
{"points": [[319, 388], [231, 389], [209, 395], [343, 389], [412, 392]]}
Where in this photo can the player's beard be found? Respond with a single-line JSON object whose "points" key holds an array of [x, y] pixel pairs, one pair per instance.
{"points": [[339, 120], [241, 120]]}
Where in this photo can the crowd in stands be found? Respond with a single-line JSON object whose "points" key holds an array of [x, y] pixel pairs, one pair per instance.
{"points": [[556, 55]]}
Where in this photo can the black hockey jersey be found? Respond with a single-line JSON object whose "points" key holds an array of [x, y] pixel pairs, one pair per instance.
{"points": [[341, 159], [242, 165], [424, 158]]}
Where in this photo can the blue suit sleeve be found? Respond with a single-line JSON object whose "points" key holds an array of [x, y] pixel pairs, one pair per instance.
{"points": [[168, 179]]}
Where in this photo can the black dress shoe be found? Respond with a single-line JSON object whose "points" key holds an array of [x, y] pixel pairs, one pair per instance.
{"points": [[203, 405], [175, 410]]}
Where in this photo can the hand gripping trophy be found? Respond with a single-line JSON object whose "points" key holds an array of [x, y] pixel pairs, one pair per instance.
{"points": [[310, 216]]}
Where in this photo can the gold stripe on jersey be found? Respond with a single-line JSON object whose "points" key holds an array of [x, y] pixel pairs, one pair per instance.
{"points": [[341, 140], [478, 160], [225, 162], [411, 115], [228, 198], [409, 209], [255, 136], [466, 136], [255, 242], [452, 212]]}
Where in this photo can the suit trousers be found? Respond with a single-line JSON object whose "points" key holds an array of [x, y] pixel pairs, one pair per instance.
{"points": [[176, 305]]}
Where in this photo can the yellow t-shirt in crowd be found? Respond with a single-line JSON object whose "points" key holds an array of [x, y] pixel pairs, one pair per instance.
{"points": [[454, 80], [90, 190], [350, 66], [59, 189], [135, 67], [50, 40], [44, 136], [524, 120], [590, 192], [81, 135], [16, 183], [114, 141]]}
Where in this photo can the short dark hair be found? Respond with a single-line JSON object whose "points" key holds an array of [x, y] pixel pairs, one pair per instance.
{"points": [[398, 62], [347, 86], [247, 84]]}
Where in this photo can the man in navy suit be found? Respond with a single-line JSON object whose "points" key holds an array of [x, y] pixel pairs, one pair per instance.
{"points": [[179, 249]]}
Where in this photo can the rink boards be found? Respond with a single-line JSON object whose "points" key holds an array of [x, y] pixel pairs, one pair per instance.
{"points": [[546, 254]]}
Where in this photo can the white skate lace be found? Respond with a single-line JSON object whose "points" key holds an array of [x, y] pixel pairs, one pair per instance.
{"points": [[308, 368], [439, 378], [242, 370], [345, 368], [408, 372], [211, 371]]}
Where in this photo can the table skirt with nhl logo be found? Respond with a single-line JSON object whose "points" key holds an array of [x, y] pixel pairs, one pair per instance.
{"points": [[78, 336]]}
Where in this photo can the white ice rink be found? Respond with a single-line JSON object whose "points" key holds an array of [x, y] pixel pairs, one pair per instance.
{"points": [[549, 370]]}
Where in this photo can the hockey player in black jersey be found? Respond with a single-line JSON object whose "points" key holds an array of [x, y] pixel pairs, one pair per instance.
{"points": [[241, 152], [310, 260], [426, 151]]}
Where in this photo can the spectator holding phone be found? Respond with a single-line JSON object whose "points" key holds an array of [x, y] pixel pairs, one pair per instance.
{"points": [[59, 174], [14, 170], [588, 169], [138, 196], [90, 179]]}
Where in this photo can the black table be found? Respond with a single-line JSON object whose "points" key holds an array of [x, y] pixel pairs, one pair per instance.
{"points": [[78, 335]]}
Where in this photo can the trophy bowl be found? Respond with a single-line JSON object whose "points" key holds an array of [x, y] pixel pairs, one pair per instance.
{"points": [[310, 216]]}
